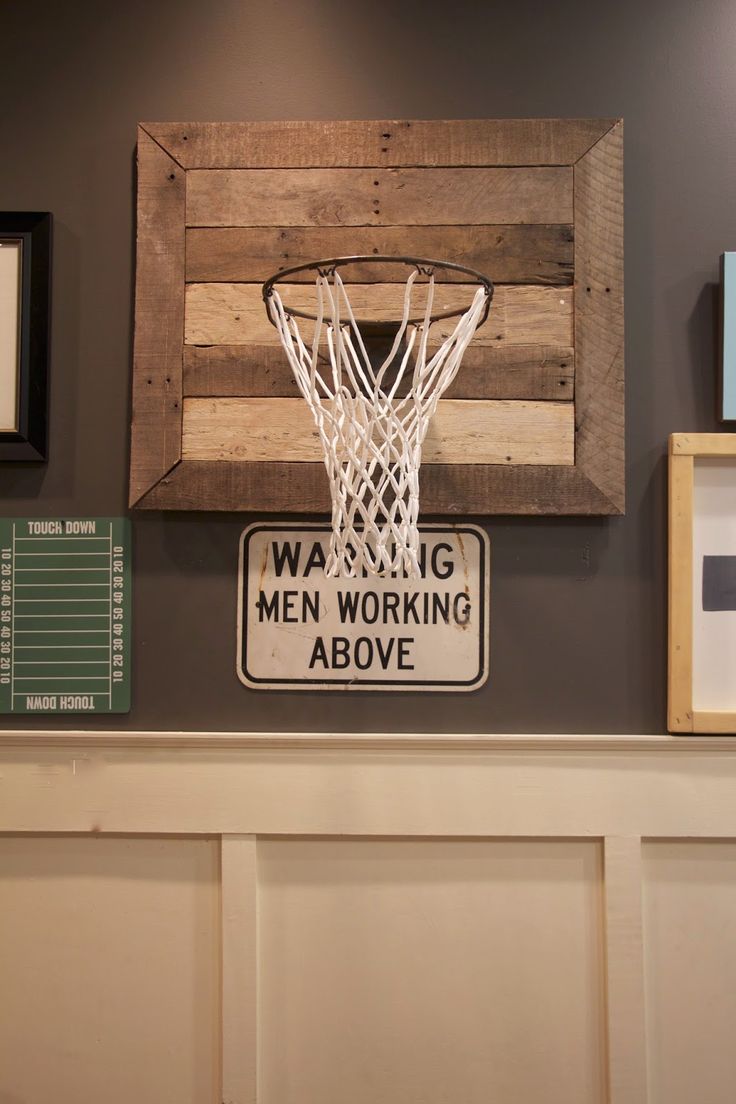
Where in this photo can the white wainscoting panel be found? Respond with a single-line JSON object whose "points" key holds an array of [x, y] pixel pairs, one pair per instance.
{"points": [[109, 970], [431, 971], [223, 918], [690, 969]]}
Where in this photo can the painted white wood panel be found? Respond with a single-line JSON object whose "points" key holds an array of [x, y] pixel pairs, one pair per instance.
{"points": [[690, 969], [714, 631], [10, 291], [109, 974], [430, 971]]}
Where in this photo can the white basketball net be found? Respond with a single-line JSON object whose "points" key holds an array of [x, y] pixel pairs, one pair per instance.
{"points": [[372, 436]]}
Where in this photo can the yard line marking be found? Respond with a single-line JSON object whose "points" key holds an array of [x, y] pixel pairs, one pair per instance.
{"points": [[62, 678], [59, 586], [56, 647], [64, 569], [45, 554], [59, 662]]}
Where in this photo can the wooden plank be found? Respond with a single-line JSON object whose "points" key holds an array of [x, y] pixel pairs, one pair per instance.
{"points": [[159, 319], [239, 912], [307, 144], [680, 594], [234, 314], [627, 1058], [508, 372], [705, 720], [378, 197], [599, 320], [454, 490], [703, 444], [493, 432], [533, 254]]}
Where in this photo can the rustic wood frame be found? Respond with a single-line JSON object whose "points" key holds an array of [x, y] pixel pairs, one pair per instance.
{"points": [[168, 152], [681, 716]]}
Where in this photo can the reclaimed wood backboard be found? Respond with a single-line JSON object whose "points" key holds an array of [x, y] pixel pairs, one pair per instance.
{"points": [[534, 421]]}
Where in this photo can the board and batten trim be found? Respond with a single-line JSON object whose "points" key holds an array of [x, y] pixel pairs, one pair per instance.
{"points": [[239, 968], [492, 432], [610, 790], [624, 947]]}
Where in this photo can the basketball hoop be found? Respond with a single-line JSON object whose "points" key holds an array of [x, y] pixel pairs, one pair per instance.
{"points": [[373, 387]]}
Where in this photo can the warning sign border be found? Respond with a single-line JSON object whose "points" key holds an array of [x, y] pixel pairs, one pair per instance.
{"points": [[369, 684]]}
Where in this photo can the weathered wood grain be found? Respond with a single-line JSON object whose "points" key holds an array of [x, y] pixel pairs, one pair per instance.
{"points": [[159, 318], [378, 197], [508, 372], [454, 490], [680, 588], [599, 332], [533, 254], [234, 314], [492, 432], [333, 144]]}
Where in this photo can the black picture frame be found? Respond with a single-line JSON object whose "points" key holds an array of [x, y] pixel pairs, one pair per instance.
{"points": [[32, 230]]}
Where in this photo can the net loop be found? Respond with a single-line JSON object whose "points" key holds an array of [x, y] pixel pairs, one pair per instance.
{"points": [[372, 420]]}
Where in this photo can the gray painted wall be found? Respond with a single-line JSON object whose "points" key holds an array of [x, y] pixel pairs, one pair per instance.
{"points": [[578, 606]]}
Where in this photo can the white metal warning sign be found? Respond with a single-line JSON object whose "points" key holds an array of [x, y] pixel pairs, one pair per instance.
{"points": [[299, 630]]}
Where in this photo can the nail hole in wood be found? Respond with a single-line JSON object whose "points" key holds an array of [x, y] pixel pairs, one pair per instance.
{"points": [[172, 176]]}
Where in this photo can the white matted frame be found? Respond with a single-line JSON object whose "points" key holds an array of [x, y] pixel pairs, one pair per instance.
{"points": [[700, 643]]}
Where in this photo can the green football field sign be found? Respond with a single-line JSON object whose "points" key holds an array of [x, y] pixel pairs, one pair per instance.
{"points": [[64, 615]]}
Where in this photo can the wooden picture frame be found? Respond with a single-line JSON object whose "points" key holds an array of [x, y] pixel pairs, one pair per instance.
{"points": [[691, 581], [727, 376], [549, 205], [25, 271]]}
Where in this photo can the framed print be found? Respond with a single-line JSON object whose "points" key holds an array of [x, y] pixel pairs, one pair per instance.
{"points": [[25, 239], [727, 382], [702, 583]]}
